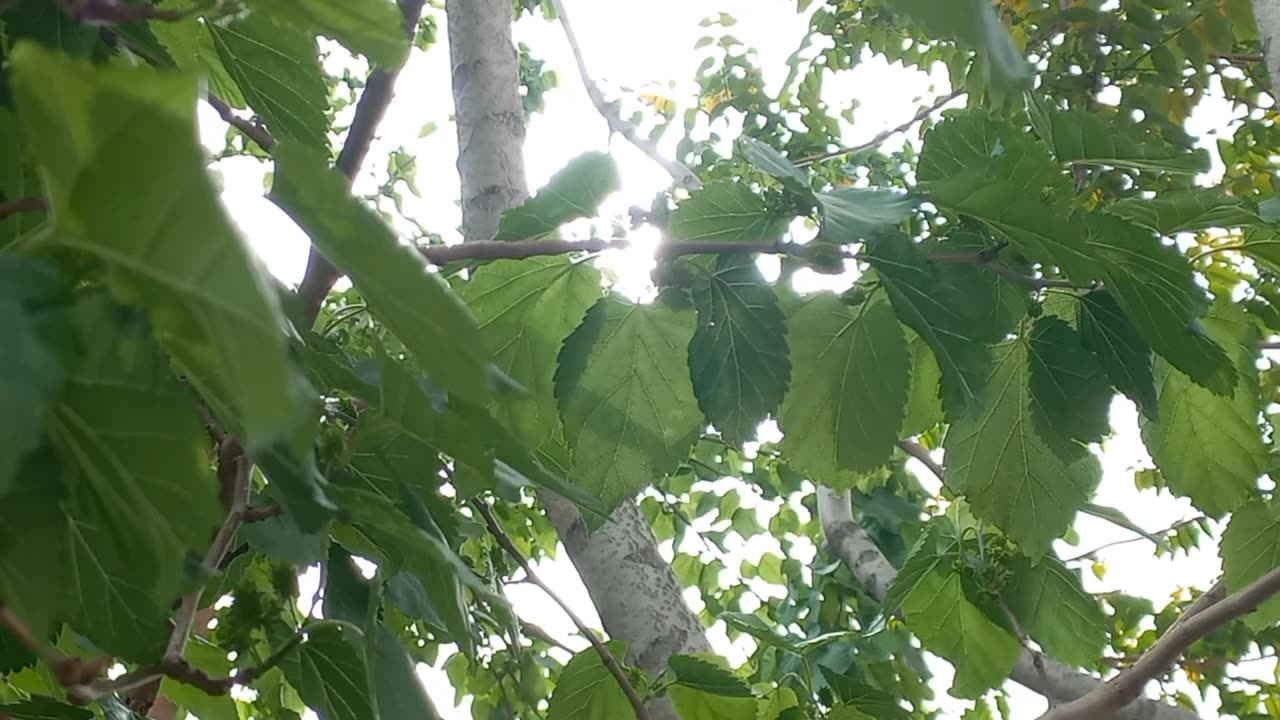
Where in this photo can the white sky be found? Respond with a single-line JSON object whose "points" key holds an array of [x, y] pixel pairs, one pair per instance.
{"points": [[632, 45]]}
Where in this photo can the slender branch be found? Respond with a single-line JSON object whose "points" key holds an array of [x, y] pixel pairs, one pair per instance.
{"points": [[253, 515], [1137, 538], [610, 662], [21, 205], [1127, 686], [880, 137], [919, 452], [251, 129], [1037, 658], [1168, 36], [100, 12], [678, 171]]}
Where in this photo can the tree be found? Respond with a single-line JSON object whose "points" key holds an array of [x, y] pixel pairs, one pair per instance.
{"points": [[184, 435]]}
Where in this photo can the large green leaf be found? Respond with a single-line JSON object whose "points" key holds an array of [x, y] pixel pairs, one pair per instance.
{"points": [[190, 45], [705, 676], [399, 691], [952, 627], [629, 411], [1082, 137], [44, 709], [1209, 447], [1009, 475], [1053, 608], [373, 28], [1156, 287], [572, 193], [851, 215], [18, 178], [526, 308], [277, 68], [413, 303], [587, 691], [852, 370], [1107, 332], [924, 407], [973, 144], [725, 210], [1067, 383], [1175, 211], [142, 495], [1250, 548], [946, 316], [738, 358], [41, 346], [772, 162], [975, 24], [35, 544], [407, 414], [330, 672], [166, 244]]}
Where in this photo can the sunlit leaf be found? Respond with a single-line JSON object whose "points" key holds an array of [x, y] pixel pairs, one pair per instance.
{"points": [[574, 192]]}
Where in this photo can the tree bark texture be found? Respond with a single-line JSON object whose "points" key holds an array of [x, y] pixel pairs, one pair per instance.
{"points": [[1267, 13], [635, 592]]}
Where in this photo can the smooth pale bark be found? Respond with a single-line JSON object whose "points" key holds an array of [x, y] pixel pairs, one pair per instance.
{"points": [[1267, 13], [635, 592], [855, 548]]}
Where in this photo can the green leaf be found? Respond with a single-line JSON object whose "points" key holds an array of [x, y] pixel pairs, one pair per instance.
{"points": [[975, 24], [756, 627], [774, 163], [190, 44], [1067, 384], [44, 709], [330, 672], [950, 626], [629, 411], [855, 694], [1077, 136], [167, 244], [1118, 518], [1175, 211], [738, 357], [294, 480], [35, 544], [1107, 332], [40, 343], [1209, 447], [1262, 244], [49, 25], [851, 215], [1156, 288], [1053, 608], [725, 210], [399, 691], [701, 675], [691, 704], [277, 68], [924, 408], [143, 494], [413, 303], [943, 314], [280, 539], [841, 417], [373, 28], [18, 178], [587, 691], [973, 144], [1250, 548], [1006, 471], [572, 193], [526, 309]]}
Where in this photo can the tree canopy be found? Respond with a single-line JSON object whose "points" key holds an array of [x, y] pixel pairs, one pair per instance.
{"points": [[183, 435]]}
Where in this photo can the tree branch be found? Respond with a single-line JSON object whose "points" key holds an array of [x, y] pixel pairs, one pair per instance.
{"points": [[851, 543], [678, 171], [1124, 688], [21, 205], [251, 129], [919, 452], [610, 662], [320, 274], [880, 137]]}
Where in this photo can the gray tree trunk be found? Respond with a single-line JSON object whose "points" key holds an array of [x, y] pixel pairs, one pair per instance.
{"points": [[1267, 12], [635, 592]]}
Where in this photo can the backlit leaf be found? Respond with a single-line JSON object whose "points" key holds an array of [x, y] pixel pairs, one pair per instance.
{"points": [[1067, 384], [1250, 548], [842, 415], [1053, 608], [1176, 211], [1081, 137], [851, 215], [976, 25], [1125, 356], [373, 28], [331, 674], [704, 676], [587, 691], [574, 192], [725, 210]]}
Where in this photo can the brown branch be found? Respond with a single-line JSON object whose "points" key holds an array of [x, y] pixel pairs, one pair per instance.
{"points": [[678, 171], [251, 129], [320, 275], [1194, 625], [880, 137], [21, 205], [253, 515], [106, 12], [610, 662], [918, 451]]}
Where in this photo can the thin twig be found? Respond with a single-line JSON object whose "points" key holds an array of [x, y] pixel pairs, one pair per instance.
{"points": [[1037, 658], [1137, 538], [319, 277], [880, 137], [610, 662], [253, 515], [251, 129], [918, 451], [678, 171], [21, 205], [1127, 686]]}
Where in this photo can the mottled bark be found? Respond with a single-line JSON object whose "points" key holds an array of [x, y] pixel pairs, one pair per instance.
{"points": [[1267, 13]]}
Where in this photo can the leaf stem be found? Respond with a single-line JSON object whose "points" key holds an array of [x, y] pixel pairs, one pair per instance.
{"points": [[21, 205], [883, 135], [610, 662]]}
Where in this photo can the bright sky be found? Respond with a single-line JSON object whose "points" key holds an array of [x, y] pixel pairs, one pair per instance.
{"points": [[634, 45]]}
